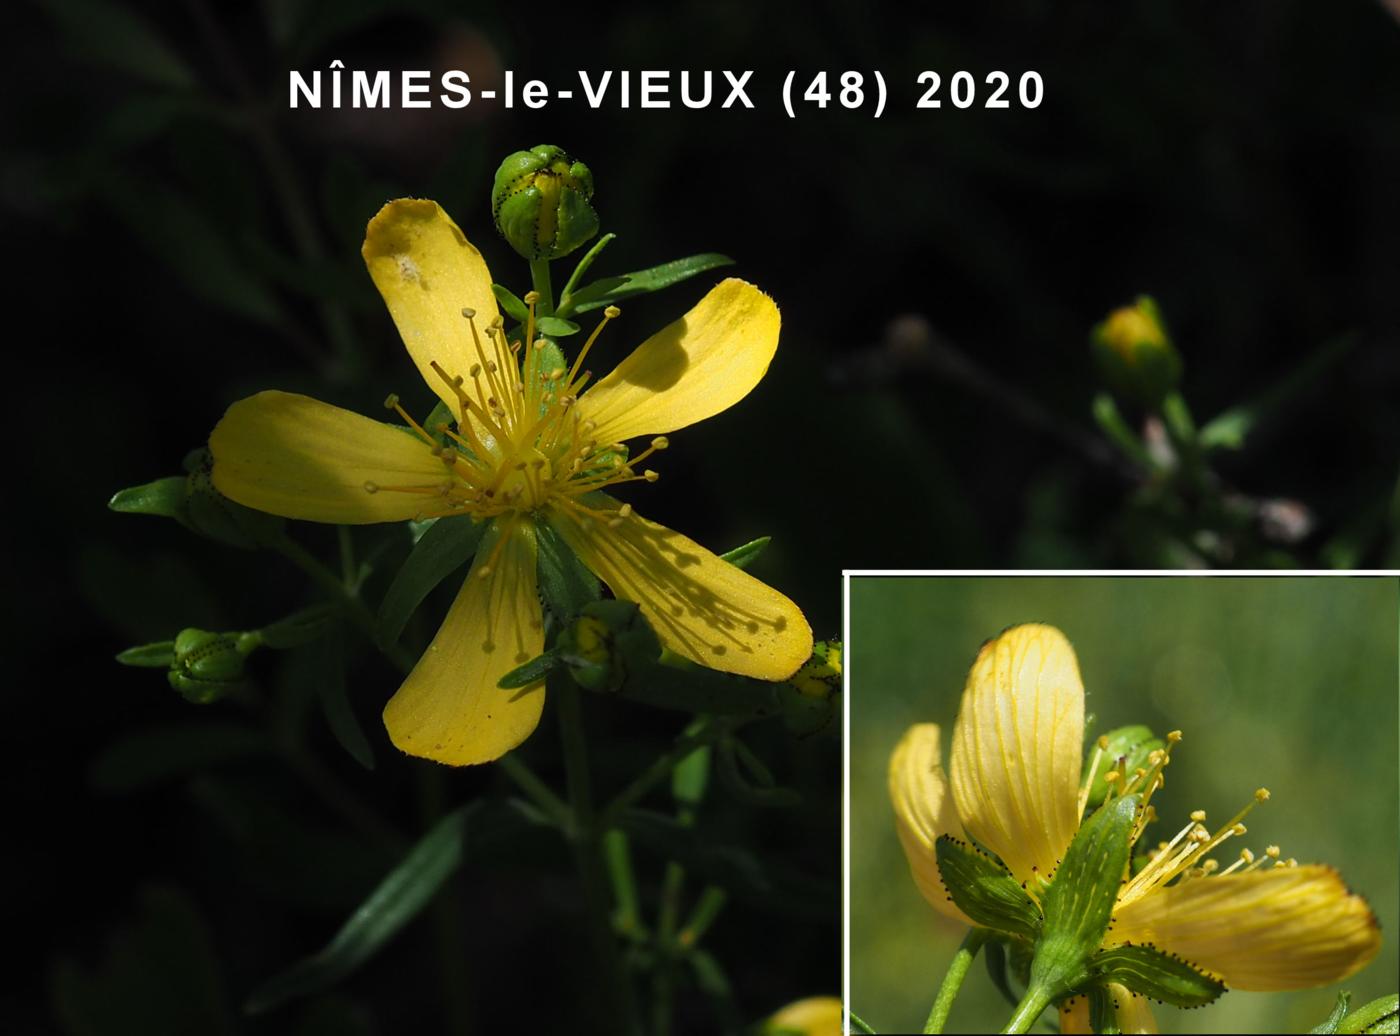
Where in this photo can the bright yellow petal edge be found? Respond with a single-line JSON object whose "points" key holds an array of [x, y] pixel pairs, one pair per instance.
{"points": [[1018, 749], [923, 810], [449, 709], [1266, 930], [692, 369]]}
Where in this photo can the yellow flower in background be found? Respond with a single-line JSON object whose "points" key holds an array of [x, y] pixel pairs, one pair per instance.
{"points": [[1262, 923], [814, 1016], [529, 447]]}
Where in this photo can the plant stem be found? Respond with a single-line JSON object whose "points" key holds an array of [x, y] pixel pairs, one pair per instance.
{"points": [[1037, 998], [659, 770], [953, 980], [586, 837], [539, 277]]}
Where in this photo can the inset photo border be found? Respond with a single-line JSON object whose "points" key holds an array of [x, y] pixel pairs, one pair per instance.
{"points": [[977, 706]]}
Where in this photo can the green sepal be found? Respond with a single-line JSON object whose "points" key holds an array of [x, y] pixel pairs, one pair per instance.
{"points": [[1133, 744], [994, 954], [1103, 1020], [565, 583], [746, 554], [608, 641], [1079, 902], [446, 546], [556, 327], [1380, 1015], [1161, 976], [984, 890], [612, 290], [511, 303], [160, 655], [209, 512]]}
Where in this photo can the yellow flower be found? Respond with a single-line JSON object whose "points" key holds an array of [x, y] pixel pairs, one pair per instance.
{"points": [[529, 448], [1262, 923], [814, 1016]]}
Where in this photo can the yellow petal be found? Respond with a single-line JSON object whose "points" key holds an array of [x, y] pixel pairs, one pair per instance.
{"points": [[703, 363], [923, 810], [298, 457], [1074, 1016], [1264, 930], [450, 709], [700, 606], [1017, 749], [427, 272], [1133, 1011]]}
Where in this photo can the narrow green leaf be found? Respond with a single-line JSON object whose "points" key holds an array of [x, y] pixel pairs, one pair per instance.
{"points": [[532, 671], [984, 889], [514, 307], [583, 265], [335, 702], [565, 584], [1229, 429], [156, 754], [439, 552], [164, 497], [601, 293], [400, 896], [160, 655], [298, 628], [744, 556], [1079, 901], [1155, 974], [859, 1025], [556, 327]]}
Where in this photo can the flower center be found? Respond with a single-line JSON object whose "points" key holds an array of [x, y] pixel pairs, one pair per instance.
{"points": [[520, 442]]}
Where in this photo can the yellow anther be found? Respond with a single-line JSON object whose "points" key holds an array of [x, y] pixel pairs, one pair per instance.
{"points": [[1210, 866], [660, 442], [468, 312], [625, 511], [531, 297], [540, 343], [1198, 815], [475, 370], [1173, 737], [1262, 795], [1246, 856], [391, 401], [484, 572], [612, 312], [1238, 829], [1154, 757], [1272, 852], [1103, 742], [1200, 834], [650, 476], [1111, 777]]}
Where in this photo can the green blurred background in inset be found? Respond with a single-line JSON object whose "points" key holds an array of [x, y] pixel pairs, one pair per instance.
{"points": [[1289, 683]]}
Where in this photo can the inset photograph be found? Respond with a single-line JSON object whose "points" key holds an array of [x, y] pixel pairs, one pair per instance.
{"points": [[1122, 804]]}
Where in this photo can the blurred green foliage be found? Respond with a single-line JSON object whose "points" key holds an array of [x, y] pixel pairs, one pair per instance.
{"points": [[1289, 683]]}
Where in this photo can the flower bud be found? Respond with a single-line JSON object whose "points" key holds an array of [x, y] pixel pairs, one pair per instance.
{"points": [[541, 202], [208, 665], [814, 1016], [1135, 356]]}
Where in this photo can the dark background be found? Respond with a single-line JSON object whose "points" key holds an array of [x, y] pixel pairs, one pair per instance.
{"points": [[179, 239]]}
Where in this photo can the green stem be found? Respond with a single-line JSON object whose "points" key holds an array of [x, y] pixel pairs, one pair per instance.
{"points": [[586, 837], [1110, 420], [539, 277], [628, 916], [659, 770], [1037, 999], [566, 296], [539, 793], [664, 979], [953, 980]]}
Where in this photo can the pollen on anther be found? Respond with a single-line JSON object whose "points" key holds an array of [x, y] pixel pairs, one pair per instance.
{"points": [[612, 312], [391, 401], [1272, 852], [660, 442], [531, 297], [1239, 829], [1262, 795], [1198, 815], [468, 312], [1174, 736], [650, 476]]}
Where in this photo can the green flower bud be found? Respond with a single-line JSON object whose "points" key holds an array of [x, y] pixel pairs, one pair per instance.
{"points": [[820, 675], [208, 665], [1123, 751], [541, 202], [1135, 356]]}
